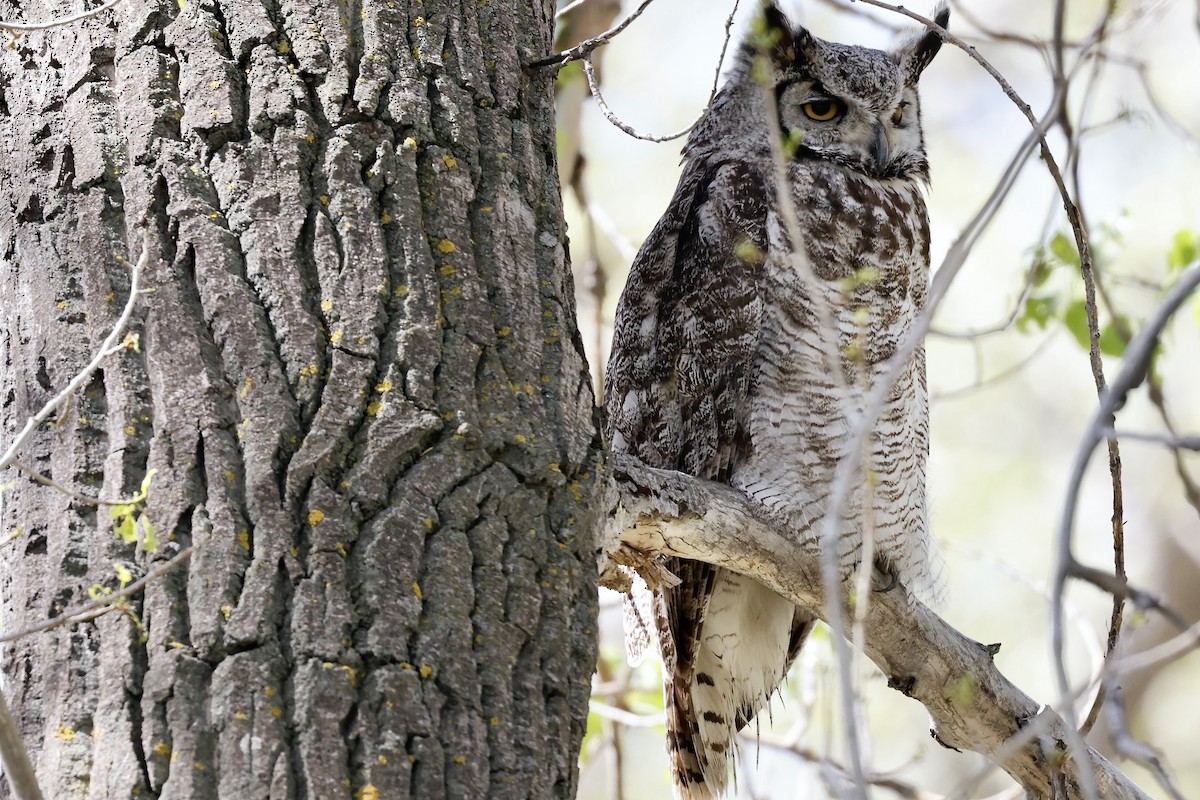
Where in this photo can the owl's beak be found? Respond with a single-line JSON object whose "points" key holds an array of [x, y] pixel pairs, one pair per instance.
{"points": [[879, 147]]}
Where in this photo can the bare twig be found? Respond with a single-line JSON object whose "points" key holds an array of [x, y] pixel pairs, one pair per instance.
{"points": [[625, 717], [874, 401], [882, 780], [58, 487], [17, 767], [1165, 439], [1167, 651], [58, 22], [835, 615], [982, 383], [846, 468], [568, 8], [107, 348], [98, 608], [594, 86], [1093, 287], [1137, 362], [1191, 491], [584, 48], [1131, 748], [1119, 586]]}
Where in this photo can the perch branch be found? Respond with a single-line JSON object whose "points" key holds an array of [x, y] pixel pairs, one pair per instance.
{"points": [[973, 706]]}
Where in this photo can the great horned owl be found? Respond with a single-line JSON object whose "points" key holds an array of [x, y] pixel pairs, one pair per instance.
{"points": [[724, 365]]}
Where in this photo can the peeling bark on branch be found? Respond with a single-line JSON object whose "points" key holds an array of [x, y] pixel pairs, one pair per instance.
{"points": [[922, 656]]}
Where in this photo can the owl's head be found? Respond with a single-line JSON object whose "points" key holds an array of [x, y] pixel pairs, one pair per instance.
{"points": [[852, 106]]}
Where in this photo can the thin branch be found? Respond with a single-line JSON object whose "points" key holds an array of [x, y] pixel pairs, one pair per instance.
{"points": [[1133, 749], [57, 22], [882, 780], [624, 717], [582, 50], [874, 401], [1119, 586], [1191, 491], [841, 487], [1137, 363], [568, 8], [58, 487], [594, 85], [17, 767], [1165, 439], [107, 348], [98, 608], [1005, 374], [1173, 124], [835, 615], [1166, 651]]}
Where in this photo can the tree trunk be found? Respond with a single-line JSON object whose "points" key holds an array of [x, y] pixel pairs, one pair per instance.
{"points": [[359, 384]]}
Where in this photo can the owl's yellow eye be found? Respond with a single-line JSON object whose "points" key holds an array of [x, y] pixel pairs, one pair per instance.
{"points": [[822, 110], [898, 114]]}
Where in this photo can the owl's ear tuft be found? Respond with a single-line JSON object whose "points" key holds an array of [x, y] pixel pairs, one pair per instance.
{"points": [[776, 37], [916, 51], [775, 21]]}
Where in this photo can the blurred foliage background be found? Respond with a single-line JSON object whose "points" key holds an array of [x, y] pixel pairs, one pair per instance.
{"points": [[1008, 369]]}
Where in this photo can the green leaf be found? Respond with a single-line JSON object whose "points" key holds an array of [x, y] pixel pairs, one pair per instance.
{"points": [[124, 576], [96, 592], [1111, 341], [571, 71], [1185, 249], [1038, 311], [149, 534], [1063, 249], [124, 528], [1041, 269], [140, 497], [791, 143], [1076, 320]]}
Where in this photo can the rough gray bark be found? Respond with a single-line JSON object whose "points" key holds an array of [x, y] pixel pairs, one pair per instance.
{"points": [[359, 382], [972, 705]]}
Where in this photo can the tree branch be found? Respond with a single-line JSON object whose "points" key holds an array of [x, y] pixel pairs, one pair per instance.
{"points": [[17, 766], [973, 706], [17, 28]]}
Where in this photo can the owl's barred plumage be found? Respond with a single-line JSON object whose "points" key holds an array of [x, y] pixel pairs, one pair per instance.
{"points": [[720, 360]]}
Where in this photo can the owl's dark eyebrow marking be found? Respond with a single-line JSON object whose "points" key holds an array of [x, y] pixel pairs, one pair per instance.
{"points": [[816, 88]]}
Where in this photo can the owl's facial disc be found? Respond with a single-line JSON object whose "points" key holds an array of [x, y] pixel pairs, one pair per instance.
{"points": [[880, 136]]}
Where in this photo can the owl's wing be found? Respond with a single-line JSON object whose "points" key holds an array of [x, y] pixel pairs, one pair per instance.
{"points": [[682, 365]]}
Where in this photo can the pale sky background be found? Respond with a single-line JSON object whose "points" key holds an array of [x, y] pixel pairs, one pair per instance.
{"points": [[1000, 455]]}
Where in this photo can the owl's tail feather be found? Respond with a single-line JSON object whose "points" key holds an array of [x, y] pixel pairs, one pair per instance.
{"points": [[689, 761]]}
